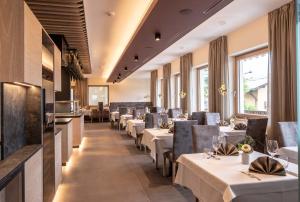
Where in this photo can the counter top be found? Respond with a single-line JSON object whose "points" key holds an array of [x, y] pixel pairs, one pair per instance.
{"points": [[68, 115], [61, 121], [14, 163]]}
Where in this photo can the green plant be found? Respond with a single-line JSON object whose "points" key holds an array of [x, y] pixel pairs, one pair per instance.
{"points": [[248, 140]]}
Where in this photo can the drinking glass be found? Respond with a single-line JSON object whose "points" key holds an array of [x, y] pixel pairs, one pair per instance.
{"points": [[272, 147], [159, 122], [216, 143]]}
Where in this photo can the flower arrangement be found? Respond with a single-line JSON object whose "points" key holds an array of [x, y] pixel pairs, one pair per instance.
{"points": [[223, 90], [247, 141], [246, 149]]}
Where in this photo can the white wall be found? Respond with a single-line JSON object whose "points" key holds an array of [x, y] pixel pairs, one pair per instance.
{"points": [[129, 90]]}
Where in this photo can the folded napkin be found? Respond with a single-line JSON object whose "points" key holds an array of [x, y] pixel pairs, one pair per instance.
{"points": [[228, 150], [164, 126], [267, 165], [240, 126], [171, 130]]}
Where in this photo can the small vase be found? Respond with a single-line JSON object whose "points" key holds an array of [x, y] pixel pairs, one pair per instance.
{"points": [[245, 158]]}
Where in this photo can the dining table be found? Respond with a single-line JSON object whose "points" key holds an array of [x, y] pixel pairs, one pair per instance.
{"points": [[124, 118], [114, 116], [226, 179], [291, 152], [157, 140], [232, 135], [130, 126]]}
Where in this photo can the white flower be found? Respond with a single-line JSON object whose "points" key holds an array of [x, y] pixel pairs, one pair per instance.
{"points": [[246, 148]]}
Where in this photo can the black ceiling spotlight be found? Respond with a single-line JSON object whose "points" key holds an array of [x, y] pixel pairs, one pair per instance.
{"points": [[119, 74], [157, 36], [119, 77], [136, 58], [125, 68]]}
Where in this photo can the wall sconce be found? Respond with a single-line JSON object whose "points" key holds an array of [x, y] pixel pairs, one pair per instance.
{"points": [[182, 94]]}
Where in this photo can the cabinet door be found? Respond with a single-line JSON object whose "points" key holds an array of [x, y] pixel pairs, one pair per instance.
{"points": [[33, 176], [11, 40], [32, 48], [57, 69]]}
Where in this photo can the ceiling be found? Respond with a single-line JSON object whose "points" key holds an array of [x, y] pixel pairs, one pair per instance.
{"points": [[66, 18], [225, 21], [111, 24], [172, 19]]}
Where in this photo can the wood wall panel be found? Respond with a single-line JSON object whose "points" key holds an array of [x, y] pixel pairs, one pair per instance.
{"points": [[57, 69], [32, 48], [11, 39]]}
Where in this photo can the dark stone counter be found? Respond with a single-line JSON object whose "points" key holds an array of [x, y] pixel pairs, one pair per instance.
{"points": [[62, 121], [14, 163], [68, 115]]}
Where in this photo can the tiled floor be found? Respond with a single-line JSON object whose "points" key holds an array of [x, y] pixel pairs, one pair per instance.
{"points": [[108, 167]]}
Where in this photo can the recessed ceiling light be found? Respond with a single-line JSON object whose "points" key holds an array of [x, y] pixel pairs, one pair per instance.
{"points": [[185, 11], [157, 36], [119, 77], [136, 58], [119, 74], [125, 68], [110, 13]]}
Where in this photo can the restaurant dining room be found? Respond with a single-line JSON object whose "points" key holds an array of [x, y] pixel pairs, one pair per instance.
{"points": [[149, 100]]}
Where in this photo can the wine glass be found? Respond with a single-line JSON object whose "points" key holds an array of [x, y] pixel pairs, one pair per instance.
{"points": [[216, 143], [272, 147], [159, 122]]}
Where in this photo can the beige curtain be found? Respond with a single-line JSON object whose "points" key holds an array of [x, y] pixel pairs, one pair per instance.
{"points": [[218, 75], [186, 64], [167, 85], [282, 44], [81, 91], [153, 87]]}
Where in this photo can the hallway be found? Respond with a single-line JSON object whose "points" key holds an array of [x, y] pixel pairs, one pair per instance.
{"points": [[108, 167]]}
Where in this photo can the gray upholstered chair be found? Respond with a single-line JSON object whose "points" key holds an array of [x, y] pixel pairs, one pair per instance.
{"points": [[212, 118], [199, 116], [256, 128], [288, 134], [155, 109], [164, 118], [137, 112], [149, 120], [202, 137], [173, 113], [139, 130], [182, 144]]}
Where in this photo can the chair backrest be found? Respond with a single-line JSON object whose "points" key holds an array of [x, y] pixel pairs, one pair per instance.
{"points": [[122, 111], [256, 128], [100, 106], [155, 109], [182, 139], [149, 120], [164, 118], [139, 129], [174, 113], [202, 137], [288, 134], [212, 118], [200, 117]]}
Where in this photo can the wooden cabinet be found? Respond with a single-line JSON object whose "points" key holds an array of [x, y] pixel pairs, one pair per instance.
{"points": [[78, 127], [33, 178], [58, 162], [32, 48], [20, 43], [57, 69]]}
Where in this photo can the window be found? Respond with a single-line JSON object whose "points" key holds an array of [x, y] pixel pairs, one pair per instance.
{"points": [[202, 88], [252, 82], [177, 90], [98, 94]]}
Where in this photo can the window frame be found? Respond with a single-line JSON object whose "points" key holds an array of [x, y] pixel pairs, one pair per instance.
{"points": [[198, 86], [236, 82], [97, 86], [177, 91]]}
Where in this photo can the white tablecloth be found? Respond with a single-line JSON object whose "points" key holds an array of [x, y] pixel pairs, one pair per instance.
{"points": [[114, 116], [290, 152], [232, 136], [124, 118], [157, 140], [221, 180], [86, 112], [130, 126]]}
